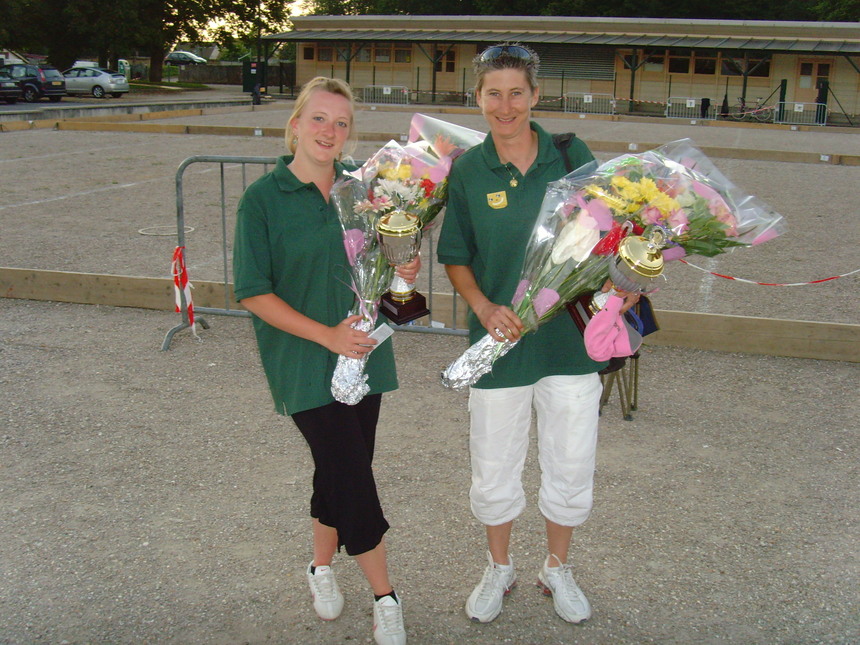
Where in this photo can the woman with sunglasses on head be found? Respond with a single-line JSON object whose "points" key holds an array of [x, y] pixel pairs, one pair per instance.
{"points": [[495, 193], [290, 273]]}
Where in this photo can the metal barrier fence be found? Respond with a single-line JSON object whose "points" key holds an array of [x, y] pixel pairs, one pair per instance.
{"points": [[228, 162], [589, 103], [795, 113], [685, 107], [386, 94]]}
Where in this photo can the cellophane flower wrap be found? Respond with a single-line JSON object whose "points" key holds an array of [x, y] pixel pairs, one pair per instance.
{"points": [[413, 178], [585, 215], [370, 274]]}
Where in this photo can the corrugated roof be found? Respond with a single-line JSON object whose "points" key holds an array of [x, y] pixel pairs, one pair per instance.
{"points": [[794, 45]]}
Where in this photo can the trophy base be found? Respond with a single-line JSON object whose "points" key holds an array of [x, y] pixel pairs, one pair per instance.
{"points": [[401, 313], [581, 311]]}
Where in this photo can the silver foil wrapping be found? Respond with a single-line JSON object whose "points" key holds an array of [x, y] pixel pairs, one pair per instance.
{"points": [[349, 382], [475, 362]]}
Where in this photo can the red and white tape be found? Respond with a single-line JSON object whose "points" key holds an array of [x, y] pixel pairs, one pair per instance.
{"points": [[771, 284]]}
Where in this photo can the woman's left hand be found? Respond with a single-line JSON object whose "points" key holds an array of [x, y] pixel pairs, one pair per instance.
{"points": [[630, 298], [409, 271]]}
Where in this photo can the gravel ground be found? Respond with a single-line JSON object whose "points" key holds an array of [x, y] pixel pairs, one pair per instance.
{"points": [[155, 497]]}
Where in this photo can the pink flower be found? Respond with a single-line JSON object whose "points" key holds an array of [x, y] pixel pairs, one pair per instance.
{"points": [[651, 215], [353, 242], [678, 221], [598, 211], [673, 253], [520, 292], [545, 299]]}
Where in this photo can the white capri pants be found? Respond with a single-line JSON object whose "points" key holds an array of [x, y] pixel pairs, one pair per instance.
{"points": [[567, 410]]}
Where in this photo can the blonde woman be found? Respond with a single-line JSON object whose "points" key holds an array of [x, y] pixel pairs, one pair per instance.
{"points": [[289, 272]]}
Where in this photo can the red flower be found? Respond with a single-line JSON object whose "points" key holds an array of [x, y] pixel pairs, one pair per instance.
{"points": [[428, 187], [608, 244]]}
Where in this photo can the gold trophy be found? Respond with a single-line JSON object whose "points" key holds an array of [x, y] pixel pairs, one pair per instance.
{"points": [[400, 239], [634, 268]]}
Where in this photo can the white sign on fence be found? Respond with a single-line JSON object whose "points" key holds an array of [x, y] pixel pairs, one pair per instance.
{"points": [[588, 98], [691, 103], [386, 90], [798, 107]]}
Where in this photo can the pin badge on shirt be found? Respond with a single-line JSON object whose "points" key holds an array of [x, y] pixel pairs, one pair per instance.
{"points": [[497, 200]]}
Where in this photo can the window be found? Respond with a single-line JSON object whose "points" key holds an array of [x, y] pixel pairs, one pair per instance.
{"points": [[679, 62], [402, 55], [735, 65], [654, 60], [363, 54], [308, 53], [382, 53], [324, 54], [446, 63], [705, 63]]}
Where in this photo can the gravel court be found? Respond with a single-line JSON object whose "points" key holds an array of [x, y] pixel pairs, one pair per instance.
{"points": [[105, 187], [155, 497]]}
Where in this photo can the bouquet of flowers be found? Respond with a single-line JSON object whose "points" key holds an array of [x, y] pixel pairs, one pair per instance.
{"points": [[411, 178], [674, 190]]}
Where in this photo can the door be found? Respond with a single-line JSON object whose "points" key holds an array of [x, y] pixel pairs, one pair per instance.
{"points": [[811, 74]]}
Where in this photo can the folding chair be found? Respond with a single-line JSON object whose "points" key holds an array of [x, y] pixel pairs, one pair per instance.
{"points": [[622, 374]]}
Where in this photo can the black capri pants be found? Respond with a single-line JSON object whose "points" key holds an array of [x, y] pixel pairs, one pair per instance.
{"points": [[341, 438]]}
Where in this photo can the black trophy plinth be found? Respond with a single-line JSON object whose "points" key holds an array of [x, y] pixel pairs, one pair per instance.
{"points": [[401, 313]]}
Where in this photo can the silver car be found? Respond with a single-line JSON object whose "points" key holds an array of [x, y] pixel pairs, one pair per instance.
{"points": [[96, 81]]}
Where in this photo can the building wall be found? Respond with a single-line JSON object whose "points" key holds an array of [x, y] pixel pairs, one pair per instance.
{"points": [[653, 84]]}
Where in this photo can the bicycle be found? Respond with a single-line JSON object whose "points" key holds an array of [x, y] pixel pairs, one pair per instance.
{"points": [[759, 111]]}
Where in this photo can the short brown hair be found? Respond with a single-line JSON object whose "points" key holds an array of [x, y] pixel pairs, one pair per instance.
{"points": [[504, 60]]}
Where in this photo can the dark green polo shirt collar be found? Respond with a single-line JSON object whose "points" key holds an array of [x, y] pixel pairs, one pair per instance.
{"points": [[288, 182]]}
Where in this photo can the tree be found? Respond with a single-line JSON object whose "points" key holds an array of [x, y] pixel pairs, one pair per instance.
{"points": [[838, 10]]}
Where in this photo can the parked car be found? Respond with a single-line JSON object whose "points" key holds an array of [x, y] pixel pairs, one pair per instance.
{"points": [[9, 90], [96, 81], [184, 58], [37, 81]]}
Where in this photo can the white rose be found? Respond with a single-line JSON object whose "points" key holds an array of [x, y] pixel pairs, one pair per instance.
{"points": [[575, 241]]}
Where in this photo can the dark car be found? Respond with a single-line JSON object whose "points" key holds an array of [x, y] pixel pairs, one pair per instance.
{"points": [[184, 58], [37, 81], [9, 90]]}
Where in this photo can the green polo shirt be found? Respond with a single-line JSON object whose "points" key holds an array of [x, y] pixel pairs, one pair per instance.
{"points": [[289, 242], [487, 227]]}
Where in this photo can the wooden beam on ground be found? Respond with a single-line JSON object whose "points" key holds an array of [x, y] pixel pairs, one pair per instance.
{"points": [[713, 332]]}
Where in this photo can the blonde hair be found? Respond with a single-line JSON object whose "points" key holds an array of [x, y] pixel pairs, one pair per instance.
{"points": [[321, 83]]}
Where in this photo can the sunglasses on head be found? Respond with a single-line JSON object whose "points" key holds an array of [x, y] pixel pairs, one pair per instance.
{"points": [[514, 51]]}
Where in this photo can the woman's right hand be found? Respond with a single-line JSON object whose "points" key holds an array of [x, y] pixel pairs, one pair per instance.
{"points": [[347, 341], [500, 321]]}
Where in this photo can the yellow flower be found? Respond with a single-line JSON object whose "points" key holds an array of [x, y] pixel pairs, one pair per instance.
{"points": [[401, 172]]}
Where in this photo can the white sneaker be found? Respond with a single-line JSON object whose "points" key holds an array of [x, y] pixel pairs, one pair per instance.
{"points": [[328, 601], [485, 602], [567, 598], [388, 621]]}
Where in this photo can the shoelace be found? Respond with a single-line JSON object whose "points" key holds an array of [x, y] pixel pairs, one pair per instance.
{"points": [[391, 618], [492, 579], [324, 586], [567, 584]]}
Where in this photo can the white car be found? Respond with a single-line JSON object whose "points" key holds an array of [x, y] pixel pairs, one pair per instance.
{"points": [[96, 81]]}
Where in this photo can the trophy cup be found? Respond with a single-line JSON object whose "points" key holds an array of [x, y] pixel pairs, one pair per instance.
{"points": [[400, 239], [634, 268]]}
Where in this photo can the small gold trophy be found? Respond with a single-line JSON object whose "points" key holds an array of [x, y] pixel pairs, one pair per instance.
{"points": [[634, 268], [400, 239]]}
